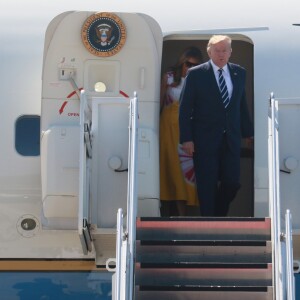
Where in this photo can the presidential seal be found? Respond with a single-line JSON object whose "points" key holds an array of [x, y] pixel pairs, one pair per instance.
{"points": [[103, 34]]}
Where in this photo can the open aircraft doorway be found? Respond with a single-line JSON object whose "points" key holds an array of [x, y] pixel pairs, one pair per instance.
{"points": [[242, 54]]}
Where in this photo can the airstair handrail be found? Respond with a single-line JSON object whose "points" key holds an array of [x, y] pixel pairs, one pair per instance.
{"points": [[119, 241], [283, 290], [126, 239], [289, 257], [84, 165], [274, 191], [132, 192]]}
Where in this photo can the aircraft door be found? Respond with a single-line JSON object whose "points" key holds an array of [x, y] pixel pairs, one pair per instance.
{"points": [[108, 82], [110, 159], [109, 56]]}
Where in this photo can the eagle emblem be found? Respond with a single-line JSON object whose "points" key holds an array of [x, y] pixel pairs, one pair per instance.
{"points": [[103, 34]]}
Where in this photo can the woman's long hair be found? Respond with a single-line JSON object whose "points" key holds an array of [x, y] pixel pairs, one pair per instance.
{"points": [[190, 52]]}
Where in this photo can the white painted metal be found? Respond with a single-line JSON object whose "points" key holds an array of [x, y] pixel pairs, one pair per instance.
{"points": [[274, 198], [290, 280], [20, 176], [116, 286], [84, 182], [132, 200]]}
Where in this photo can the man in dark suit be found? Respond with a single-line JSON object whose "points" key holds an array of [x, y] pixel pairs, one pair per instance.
{"points": [[213, 117]]}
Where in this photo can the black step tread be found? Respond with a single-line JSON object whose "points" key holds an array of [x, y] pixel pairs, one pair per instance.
{"points": [[192, 265], [203, 229], [230, 243], [147, 292], [203, 257], [207, 274], [204, 251], [203, 288]]}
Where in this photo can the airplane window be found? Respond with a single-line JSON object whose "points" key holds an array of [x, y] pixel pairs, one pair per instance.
{"points": [[27, 135], [100, 87]]}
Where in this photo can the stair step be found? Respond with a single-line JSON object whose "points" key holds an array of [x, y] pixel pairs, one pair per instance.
{"points": [[230, 243], [203, 274], [203, 265], [203, 292], [203, 258], [210, 288], [199, 228], [204, 251]]}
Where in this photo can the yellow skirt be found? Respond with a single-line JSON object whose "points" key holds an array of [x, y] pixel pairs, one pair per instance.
{"points": [[173, 185]]}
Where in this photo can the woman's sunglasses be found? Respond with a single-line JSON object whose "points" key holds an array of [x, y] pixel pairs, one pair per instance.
{"points": [[190, 64]]}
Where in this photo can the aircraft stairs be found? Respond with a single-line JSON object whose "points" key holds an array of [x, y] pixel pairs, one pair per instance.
{"points": [[216, 258], [203, 258], [230, 258]]}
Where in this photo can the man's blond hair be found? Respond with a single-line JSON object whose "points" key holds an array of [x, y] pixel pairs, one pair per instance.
{"points": [[218, 38]]}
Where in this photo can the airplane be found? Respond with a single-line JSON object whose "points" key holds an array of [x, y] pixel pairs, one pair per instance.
{"points": [[64, 112]]}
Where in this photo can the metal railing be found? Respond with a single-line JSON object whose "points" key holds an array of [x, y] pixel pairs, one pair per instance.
{"points": [[126, 250], [283, 289], [119, 242], [132, 191], [290, 281], [85, 152]]}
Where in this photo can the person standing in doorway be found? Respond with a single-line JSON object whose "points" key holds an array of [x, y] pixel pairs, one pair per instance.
{"points": [[176, 190], [213, 117]]}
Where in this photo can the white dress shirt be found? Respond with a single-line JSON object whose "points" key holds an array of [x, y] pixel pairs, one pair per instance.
{"points": [[226, 75]]}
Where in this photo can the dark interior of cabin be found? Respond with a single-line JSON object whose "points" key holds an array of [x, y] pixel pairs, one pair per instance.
{"points": [[242, 54]]}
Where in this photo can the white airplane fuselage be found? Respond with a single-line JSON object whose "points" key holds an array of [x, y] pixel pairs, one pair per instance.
{"points": [[34, 87]]}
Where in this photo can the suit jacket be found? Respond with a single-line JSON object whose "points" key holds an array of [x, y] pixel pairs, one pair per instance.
{"points": [[202, 115]]}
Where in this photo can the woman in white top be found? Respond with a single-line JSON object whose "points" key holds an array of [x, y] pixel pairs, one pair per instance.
{"points": [[177, 184]]}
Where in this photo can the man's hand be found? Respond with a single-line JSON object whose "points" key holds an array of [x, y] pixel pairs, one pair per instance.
{"points": [[188, 147]]}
